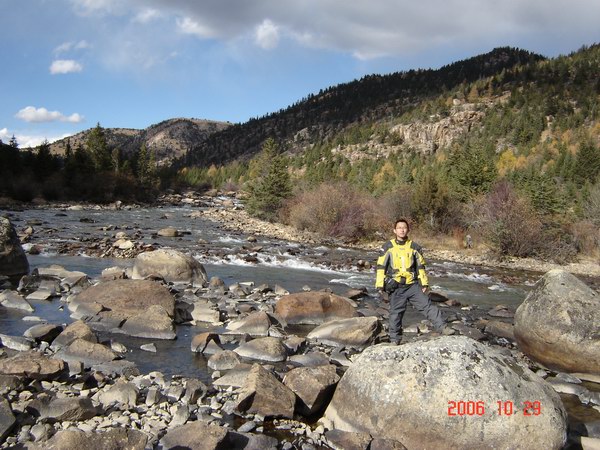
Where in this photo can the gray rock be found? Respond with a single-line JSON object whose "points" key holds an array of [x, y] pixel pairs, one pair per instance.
{"points": [[171, 265], [201, 341], [314, 386], [112, 439], [89, 353], [255, 324], [7, 419], [13, 261], [346, 440], [123, 393], [354, 332], [154, 323], [387, 390], [196, 435], [10, 299], [235, 377], [386, 444], [61, 409], [194, 390], [43, 332], [250, 441], [142, 308], [224, 360], [500, 329], [18, 343], [311, 359], [181, 414], [265, 395], [149, 347], [314, 308], [557, 324], [263, 349], [75, 330], [34, 365]]}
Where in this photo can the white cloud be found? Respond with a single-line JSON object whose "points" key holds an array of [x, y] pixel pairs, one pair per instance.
{"points": [[95, 7], [190, 26], [388, 27], [62, 66], [38, 115], [267, 35], [25, 140], [147, 15], [68, 46], [5, 135]]}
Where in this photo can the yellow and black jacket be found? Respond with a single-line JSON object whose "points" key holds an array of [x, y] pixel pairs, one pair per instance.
{"points": [[402, 262]]}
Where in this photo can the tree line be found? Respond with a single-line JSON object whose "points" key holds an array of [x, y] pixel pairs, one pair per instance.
{"points": [[93, 171]]}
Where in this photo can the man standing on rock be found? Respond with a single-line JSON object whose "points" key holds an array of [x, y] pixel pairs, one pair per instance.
{"points": [[401, 274]]}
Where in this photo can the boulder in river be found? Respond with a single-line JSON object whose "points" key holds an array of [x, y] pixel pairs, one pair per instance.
{"points": [[354, 332], [314, 308], [449, 392], [141, 308], [171, 265], [13, 261], [558, 324]]}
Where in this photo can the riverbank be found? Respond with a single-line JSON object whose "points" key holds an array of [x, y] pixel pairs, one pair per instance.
{"points": [[239, 220]]}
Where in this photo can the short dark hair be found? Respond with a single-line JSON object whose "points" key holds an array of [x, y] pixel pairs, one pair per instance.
{"points": [[401, 220]]}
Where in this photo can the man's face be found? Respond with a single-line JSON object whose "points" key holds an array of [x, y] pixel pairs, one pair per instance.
{"points": [[401, 230]]}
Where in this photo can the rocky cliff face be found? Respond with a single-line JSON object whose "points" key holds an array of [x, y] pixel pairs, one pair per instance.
{"points": [[426, 137]]}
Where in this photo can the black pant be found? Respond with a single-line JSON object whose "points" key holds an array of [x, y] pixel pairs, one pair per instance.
{"points": [[419, 300]]}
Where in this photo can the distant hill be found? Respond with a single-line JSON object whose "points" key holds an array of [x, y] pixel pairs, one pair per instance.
{"points": [[322, 117], [170, 139]]}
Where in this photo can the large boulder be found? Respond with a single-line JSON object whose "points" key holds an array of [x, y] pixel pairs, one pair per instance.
{"points": [[13, 261], [313, 386], [113, 438], [355, 332], [34, 365], [7, 419], [171, 265], [444, 393], [264, 394], [314, 308], [268, 349], [194, 435], [141, 308], [557, 324]]}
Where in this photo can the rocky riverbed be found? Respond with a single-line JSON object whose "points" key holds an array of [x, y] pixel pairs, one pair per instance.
{"points": [[307, 369]]}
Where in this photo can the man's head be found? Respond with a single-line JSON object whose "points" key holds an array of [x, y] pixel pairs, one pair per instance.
{"points": [[401, 229]]}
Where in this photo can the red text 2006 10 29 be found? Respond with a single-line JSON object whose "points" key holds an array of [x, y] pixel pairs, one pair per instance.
{"points": [[502, 408]]}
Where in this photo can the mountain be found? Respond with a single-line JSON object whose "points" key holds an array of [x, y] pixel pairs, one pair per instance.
{"points": [[169, 139], [321, 117]]}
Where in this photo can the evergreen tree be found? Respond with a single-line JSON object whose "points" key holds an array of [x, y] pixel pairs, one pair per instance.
{"points": [[472, 169], [587, 163], [268, 192], [97, 147]]}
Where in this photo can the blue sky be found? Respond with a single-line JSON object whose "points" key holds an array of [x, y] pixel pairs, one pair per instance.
{"points": [[69, 64]]}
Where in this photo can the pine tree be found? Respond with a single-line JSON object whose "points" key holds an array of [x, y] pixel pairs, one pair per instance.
{"points": [[587, 163], [97, 147], [268, 192]]}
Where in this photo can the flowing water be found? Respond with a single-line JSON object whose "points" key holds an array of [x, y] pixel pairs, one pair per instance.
{"points": [[224, 254]]}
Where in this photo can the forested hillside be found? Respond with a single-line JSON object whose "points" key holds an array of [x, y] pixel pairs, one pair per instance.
{"points": [[503, 146], [510, 154]]}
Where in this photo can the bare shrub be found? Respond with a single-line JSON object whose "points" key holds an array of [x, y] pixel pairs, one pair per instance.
{"points": [[395, 203], [508, 221], [591, 207], [332, 209], [586, 236]]}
